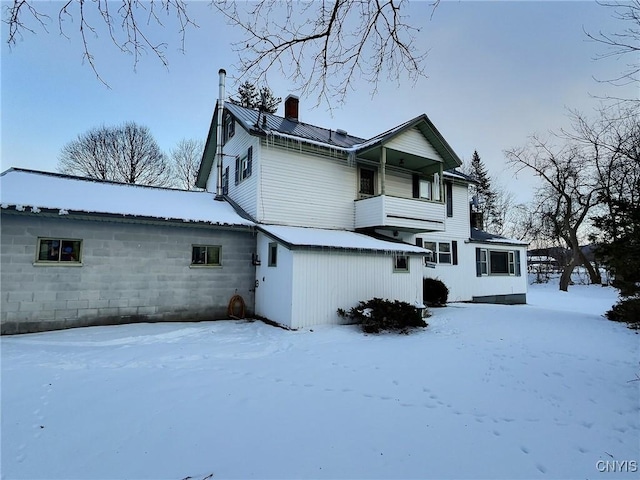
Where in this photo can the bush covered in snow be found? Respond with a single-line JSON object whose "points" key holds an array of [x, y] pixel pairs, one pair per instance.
{"points": [[626, 310], [378, 315], [434, 292]]}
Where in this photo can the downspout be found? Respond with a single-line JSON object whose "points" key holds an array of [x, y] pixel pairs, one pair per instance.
{"points": [[219, 153]]}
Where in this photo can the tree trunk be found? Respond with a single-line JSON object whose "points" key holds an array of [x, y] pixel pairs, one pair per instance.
{"points": [[565, 278], [594, 274]]}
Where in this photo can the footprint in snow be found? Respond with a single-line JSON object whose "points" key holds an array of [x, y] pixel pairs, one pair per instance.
{"points": [[524, 450], [541, 468]]}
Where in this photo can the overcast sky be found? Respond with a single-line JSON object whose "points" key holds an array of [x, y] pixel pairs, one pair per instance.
{"points": [[498, 72]]}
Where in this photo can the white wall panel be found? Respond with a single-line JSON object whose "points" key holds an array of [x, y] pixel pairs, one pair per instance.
{"points": [[300, 189], [414, 142], [273, 296], [326, 281]]}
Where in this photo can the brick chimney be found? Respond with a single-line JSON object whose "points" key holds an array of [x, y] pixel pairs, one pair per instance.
{"points": [[291, 107]]}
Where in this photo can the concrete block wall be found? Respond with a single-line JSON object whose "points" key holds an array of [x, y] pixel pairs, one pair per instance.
{"points": [[130, 272]]}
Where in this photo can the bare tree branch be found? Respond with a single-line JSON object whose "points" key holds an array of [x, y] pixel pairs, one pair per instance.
{"points": [[625, 43], [323, 48], [121, 20], [185, 159]]}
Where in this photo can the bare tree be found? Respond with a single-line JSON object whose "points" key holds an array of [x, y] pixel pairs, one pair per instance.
{"points": [[568, 194], [325, 46], [185, 159], [322, 47], [127, 153], [625, 43], [127, 23], [90, 155]]}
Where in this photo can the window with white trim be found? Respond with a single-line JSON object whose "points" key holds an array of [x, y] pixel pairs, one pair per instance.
{"points": [[497, 262], [401, 263], [225, 181], [244, 166], [229, 127], [273, 254], [59, 250], [425, 189], [206, 255], [442, 252]]}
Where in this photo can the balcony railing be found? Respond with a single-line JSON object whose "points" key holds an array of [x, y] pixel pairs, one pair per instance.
{"points": [[398, 213]]}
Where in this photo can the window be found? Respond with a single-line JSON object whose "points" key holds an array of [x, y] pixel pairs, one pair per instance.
{"points": [[497, 262], [244, 166], [401, 263], [425, 189], [273, 254], [229, 126], [367, 181], [449, 198], [225, 181], [58, 250], [206, 255], [443, 252]]}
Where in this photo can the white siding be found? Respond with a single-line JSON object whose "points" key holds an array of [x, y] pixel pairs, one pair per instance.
{"points": [[459, 225], [326, 281], [301, 189], [398, 184], [496, 284], [462, 281], [245, 193], [273, 294], [414, 142]]}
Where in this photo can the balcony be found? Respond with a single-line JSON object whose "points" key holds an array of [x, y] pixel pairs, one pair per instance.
{"points": [[406, 214]]}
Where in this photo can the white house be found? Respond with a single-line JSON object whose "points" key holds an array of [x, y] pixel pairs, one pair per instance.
{"points": [[307, 220], [342, 218]]}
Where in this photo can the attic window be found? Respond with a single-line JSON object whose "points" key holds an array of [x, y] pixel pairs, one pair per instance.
{"points": [[244, 166], [229, 126]]}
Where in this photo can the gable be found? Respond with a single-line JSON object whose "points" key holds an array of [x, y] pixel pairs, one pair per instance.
{"points": [[412, 141]]}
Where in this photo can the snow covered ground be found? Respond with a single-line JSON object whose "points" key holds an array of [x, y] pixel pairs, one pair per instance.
{"points": [[533, 391]]}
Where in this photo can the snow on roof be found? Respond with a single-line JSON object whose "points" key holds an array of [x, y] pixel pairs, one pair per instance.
{"points": [[33, 190], [482, 236], [317, 237], [541, 259]]}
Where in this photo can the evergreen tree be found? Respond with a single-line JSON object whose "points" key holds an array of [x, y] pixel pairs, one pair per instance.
{"points": [[270, 101], [250, 97], [483, 195], [247, 96]]}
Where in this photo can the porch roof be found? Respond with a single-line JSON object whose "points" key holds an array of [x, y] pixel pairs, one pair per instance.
{"points": [[303, 237]]}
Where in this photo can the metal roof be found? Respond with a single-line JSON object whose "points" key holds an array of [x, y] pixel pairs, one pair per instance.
{"points": [[262, 122], [481, 236]]}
